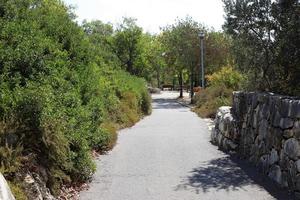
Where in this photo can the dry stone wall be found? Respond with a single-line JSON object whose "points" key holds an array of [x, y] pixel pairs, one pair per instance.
{"points": [[264, 128]]}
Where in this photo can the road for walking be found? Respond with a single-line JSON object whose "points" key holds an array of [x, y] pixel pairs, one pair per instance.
{"points": [[168, 156]]}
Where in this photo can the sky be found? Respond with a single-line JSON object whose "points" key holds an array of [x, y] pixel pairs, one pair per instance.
{"points": [[150, 14]]}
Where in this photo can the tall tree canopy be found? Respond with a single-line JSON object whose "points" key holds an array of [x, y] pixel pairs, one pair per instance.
{"points": [[266, 37]]}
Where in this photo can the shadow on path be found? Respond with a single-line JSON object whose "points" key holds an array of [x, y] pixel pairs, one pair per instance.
{"points": [[229, 173], [162, 103]]}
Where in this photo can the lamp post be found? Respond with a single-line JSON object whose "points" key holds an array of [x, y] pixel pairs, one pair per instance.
{"points": [[201, 77]]}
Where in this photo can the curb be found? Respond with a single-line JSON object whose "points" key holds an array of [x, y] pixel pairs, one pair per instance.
{"points": [[184, 104]]}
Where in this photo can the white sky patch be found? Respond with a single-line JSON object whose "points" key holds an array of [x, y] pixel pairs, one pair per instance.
{"points": [[151, 14]]}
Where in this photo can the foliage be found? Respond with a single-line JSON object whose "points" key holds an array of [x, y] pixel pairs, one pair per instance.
{"points": [[218, 51], [219, 93], [18, 191], [209, 100], [227, 76], [182, 50], [266, 42], [127, 47], [62, 93], [182, 45]]}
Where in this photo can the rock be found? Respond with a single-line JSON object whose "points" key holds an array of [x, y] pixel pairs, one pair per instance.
{"points": [[283, 161], [286, 123], [224, 117], [288, 133], [36, 188], [255, 117], [263, 128], [265, 112], [276, 119], [298, 182], [5, 192], [284, 182], [262, 148], [295, 110], [292, 172], [28, 179], [227, 127], [254, 100], [285, 107], [291, 148], [224, 109], [232, 145], [297, 163], [274, 158], [297, 195], [274, 138], [213, 135], [275, 174], [219, 138], [263, 163], [296, 129]]}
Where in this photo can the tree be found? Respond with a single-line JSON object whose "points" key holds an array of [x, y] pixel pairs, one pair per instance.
{"points": [[265, 38], [183, 48], [154, 53], [101, 36], [217, 51], [126, 45]]}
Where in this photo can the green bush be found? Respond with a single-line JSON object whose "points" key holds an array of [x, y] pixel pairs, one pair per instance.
{"points": [[227, 77], [209, 100], [219, 93], [58, 99]]}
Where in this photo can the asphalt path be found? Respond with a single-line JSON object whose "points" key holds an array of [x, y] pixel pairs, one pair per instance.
{"points": [[168, 156]]}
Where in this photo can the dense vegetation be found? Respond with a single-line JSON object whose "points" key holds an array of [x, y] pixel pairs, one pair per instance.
{"points": [[62, 93], [219, 93], [66, 88], [266, 43], [264, 48]]}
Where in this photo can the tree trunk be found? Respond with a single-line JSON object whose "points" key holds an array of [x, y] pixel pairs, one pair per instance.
{"points": [[192, 85], [158, 79], [181, 84]]}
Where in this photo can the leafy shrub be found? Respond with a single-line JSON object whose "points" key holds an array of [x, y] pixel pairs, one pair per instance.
{"points": [[58, 98], [210, 99], [17, 190], [146, 103], [227, 76], [219, 93]]}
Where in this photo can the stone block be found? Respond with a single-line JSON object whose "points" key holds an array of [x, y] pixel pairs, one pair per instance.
{"points": [[274, 138], [276, 119], [263, 164], [296, 129], [273, 158], [292, 148], [285, 107], [275, 174], [297, 163], [286, 123], [262, 129], [291, 180], [298, 182], [283, 161], [288, 133], [284, 181], [295, 109]]}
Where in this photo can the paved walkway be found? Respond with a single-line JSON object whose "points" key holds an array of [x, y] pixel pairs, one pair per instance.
{"points": [[168, 156]]}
